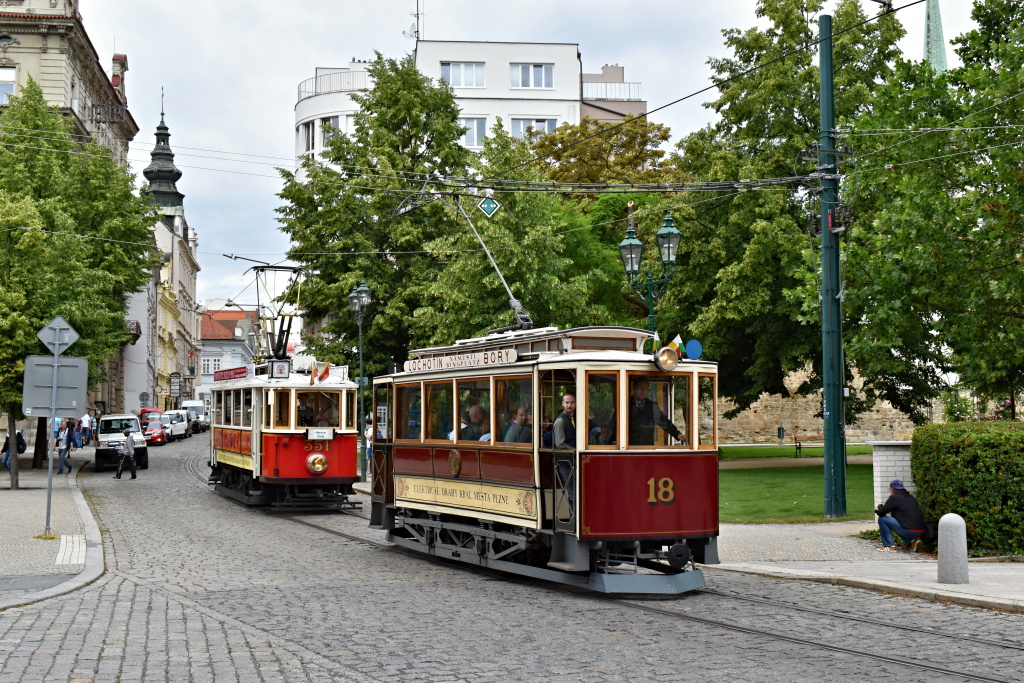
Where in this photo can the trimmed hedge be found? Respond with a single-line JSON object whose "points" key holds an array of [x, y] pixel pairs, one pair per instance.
{"points": [[975, 469]]}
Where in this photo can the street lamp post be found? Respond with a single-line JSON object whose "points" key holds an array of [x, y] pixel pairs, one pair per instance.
{"points": [[631, 252], [358, 300]]}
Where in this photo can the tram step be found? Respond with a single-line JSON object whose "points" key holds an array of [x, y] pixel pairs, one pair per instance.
{"points": [[563, 566]]}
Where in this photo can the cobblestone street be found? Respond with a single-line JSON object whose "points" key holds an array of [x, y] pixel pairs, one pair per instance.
{"points": [[199, 588]]}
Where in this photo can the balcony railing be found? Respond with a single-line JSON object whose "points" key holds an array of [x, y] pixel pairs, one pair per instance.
{"points": [[612, 91], [340, 81]]}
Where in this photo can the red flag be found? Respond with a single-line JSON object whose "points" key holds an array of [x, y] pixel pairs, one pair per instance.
{"points": [[312, 375], [326, 371]]}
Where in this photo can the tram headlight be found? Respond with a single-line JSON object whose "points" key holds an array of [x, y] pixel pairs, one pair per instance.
{"points": [[666, 358], [316, 464]]}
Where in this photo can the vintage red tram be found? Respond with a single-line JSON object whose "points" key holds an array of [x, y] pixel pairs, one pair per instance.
{"points": [[284, 439], [470, 463]]}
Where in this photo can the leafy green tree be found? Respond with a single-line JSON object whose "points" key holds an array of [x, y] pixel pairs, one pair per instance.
{"points": [[742, 255], [935, 254], [554, 266], [348, 214], [630, 152], [55, 194]]}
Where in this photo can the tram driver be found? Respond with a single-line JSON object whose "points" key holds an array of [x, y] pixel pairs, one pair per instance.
{"points": [[645, 415]]}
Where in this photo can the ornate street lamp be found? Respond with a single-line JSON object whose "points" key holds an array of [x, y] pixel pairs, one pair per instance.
{"points": [[358, 300], [631, 252]]}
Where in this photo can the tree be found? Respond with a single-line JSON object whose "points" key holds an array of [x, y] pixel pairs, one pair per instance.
{"points": [[348, 215], [549, 257], [935, 275], [740, 266], [57, 196], [629, 152]]}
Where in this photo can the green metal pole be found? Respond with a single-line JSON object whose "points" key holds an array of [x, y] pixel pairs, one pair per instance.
{"points": [[833, 374], [360, 423], [650, 302]]}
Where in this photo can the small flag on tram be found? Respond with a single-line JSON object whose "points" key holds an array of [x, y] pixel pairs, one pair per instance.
{"points": [[675, 344], [656, 342], [324, 373], [312, 374]]}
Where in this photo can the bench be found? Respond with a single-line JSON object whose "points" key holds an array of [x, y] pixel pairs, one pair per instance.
{"points": [[816, 439]]}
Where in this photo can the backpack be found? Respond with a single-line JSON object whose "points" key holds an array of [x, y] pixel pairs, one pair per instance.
{"points": [[22, 446], [931, 532]]}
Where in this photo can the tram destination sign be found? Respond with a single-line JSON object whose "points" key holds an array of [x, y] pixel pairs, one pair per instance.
{"points": [[459, 361]]}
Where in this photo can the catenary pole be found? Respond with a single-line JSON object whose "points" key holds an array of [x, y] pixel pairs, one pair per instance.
{"points": [[833, 375]]}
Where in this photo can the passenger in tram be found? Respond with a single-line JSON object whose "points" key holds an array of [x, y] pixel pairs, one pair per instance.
{"points": [[645, 415], [485, 428], [471, 431], [565, 424], [518, 420], [526, 430]]}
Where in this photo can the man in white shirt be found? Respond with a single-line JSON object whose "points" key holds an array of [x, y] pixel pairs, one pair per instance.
{"points": [[86, 428]]}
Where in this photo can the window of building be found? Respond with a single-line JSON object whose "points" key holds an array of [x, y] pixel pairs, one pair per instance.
{"points": [[7, 76], [462, 75], [533, 75], [307, 136], [330, 127], [520, 126], [477, 130]]}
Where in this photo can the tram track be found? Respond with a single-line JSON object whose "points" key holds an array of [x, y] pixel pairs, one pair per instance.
{"points": [[642, 604]]}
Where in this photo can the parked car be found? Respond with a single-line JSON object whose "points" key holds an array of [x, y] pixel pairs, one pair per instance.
{"points": [[176, 424], [154, 431], [110, 438]]}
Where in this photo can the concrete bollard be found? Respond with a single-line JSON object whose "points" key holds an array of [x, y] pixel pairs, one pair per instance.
{"points": [[952, 549]]}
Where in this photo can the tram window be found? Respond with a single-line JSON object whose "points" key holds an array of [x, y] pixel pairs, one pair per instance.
{"points": [[706, 414], [246, 407], [350, 410], [282, 409], [554, 384], [602, 392], [381, 402], [236, 408], [408, 411], [474, 409], [513, 410], [440, 404], [319, 409], [218, 408], [228, 402], [651, 411]]}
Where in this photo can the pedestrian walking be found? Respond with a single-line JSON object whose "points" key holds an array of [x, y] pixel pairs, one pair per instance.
{"points": [[22, 447], [127, 455], [86, 428], [65, 444], [906, 521]]}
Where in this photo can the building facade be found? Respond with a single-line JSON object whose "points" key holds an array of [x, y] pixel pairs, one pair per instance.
{"points": [[162, 371], [45, 39], [526, 85]]}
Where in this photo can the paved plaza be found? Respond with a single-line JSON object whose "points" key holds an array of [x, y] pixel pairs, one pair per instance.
{"points": [[200, 588]]}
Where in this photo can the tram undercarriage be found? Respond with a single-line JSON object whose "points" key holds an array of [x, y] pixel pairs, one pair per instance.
{"points": [[242, 486], [607, 566]]}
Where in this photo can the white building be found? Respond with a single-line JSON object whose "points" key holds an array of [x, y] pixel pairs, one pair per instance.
{"points": [[538, 85]]}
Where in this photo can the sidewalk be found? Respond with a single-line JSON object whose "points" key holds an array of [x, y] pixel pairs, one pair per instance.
{"points": [[31, 568]]}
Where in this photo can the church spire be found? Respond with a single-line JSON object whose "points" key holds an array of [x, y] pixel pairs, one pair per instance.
{"points": [[161, 173], [934, 45]]}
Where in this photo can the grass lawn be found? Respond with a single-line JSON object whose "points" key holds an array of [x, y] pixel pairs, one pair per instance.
{"points": [[740, 452], [790, 495]]}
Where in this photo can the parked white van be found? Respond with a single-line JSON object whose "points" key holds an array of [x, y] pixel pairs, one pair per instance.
{"points": [[110, 438], [180, 422], [199, 408]]}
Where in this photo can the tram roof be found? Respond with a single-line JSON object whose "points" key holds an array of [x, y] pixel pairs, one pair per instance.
{"points": [[524, 341]]}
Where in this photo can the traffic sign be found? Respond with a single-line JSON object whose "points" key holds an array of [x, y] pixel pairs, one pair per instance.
{"points": [[488, 206], [58, 335], [72, 382]]}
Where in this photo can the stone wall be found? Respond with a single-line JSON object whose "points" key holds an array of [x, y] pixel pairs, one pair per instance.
{"points": [[760, 422]]}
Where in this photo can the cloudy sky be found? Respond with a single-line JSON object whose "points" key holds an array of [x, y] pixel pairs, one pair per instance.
{"points": [[230, 71]]}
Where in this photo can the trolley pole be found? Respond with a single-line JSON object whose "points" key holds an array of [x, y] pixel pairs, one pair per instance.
{"points": [[833, 371]]}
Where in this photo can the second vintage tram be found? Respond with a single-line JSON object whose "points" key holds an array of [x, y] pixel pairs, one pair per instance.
{"points": [[570, 455], [284, 439]]}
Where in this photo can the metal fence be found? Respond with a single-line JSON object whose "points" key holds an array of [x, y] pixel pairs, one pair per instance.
{"points": [[612, 91], [340, 81]]}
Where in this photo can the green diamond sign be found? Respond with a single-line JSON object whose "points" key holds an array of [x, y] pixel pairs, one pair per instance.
{"points": [[488, 206]]}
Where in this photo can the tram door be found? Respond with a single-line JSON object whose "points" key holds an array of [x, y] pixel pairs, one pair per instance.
{"points": [[559, 462]]}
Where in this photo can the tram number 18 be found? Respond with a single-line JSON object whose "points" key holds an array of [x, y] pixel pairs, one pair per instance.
{"points": [[661, 491]]}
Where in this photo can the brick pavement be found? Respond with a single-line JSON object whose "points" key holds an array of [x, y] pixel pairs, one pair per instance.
{"points": [[200, 588]]}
